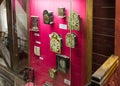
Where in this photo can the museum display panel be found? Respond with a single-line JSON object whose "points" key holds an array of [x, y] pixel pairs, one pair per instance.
{"points": [[57, 46]]}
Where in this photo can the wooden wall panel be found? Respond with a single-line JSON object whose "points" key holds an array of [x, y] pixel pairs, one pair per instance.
{"points": [[117, 42], [99, 58], [103, 44], [106, 3], [101, 11], [104, 27], [103, 31]]}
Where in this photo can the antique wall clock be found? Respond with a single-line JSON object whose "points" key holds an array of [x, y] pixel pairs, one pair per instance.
{"points": [[61, 12], [34, 23], [55, 42], [73, 21], [53, 73], [48, 17], [70, 40], [37, 50], [63, 63]]}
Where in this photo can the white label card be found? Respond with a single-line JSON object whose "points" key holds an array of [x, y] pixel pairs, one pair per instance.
{"points": [[36, 34], [38, 42], [67, 82], [63, 26], [37, 50]]}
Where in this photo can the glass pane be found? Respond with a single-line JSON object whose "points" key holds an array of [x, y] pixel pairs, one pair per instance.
{"points": [[4, 35], [78, 52], [49, 55], [22, 34]]}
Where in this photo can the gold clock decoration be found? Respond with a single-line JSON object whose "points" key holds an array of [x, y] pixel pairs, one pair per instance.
{"points": [[73, 21], [55, 42], [70, 40], [63, 63], [48, 17], [53, 73], [34, 23], [61, 12]]}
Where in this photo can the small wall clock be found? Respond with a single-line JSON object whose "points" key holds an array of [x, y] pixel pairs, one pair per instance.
{"points": [[55, 42], [34, 23], [73, 21], [70, 40], [63, 63], [37, 50], [48, 17], [61, 12], [53, 73]]}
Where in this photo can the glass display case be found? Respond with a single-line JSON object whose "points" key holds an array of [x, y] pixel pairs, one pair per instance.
{"points": [[59, 59], [54, 31]]}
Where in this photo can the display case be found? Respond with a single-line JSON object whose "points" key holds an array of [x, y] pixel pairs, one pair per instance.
{"points": [[61, 26]]}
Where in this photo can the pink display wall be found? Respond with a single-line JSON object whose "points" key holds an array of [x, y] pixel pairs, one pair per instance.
{"points": [[47, 58]]}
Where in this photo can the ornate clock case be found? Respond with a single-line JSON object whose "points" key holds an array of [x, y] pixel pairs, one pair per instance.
{"points": [[53, 73], [34, 23], [63, 63], [48, 17], [55, 42], [70, 40], [73, 21]]}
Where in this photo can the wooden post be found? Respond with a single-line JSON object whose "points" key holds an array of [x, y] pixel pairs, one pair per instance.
{"points": [[12, 33], [28, 26], [89, 30]]}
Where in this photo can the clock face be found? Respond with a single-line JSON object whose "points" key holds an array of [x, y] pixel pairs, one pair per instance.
{"points": [[62, 63], [51, 74], [55, 42], [73, 21], [46, 18], [70, 40]]}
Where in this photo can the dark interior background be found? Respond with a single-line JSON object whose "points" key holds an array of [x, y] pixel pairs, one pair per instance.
{"points": [[103, 31]]}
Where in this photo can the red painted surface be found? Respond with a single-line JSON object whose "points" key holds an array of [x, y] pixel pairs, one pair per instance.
{"points": [[77, 55]]}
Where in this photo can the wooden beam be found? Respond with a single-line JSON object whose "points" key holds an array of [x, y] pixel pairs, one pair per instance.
{"points": [[89, 30], [28, 25], [12, 34]]}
